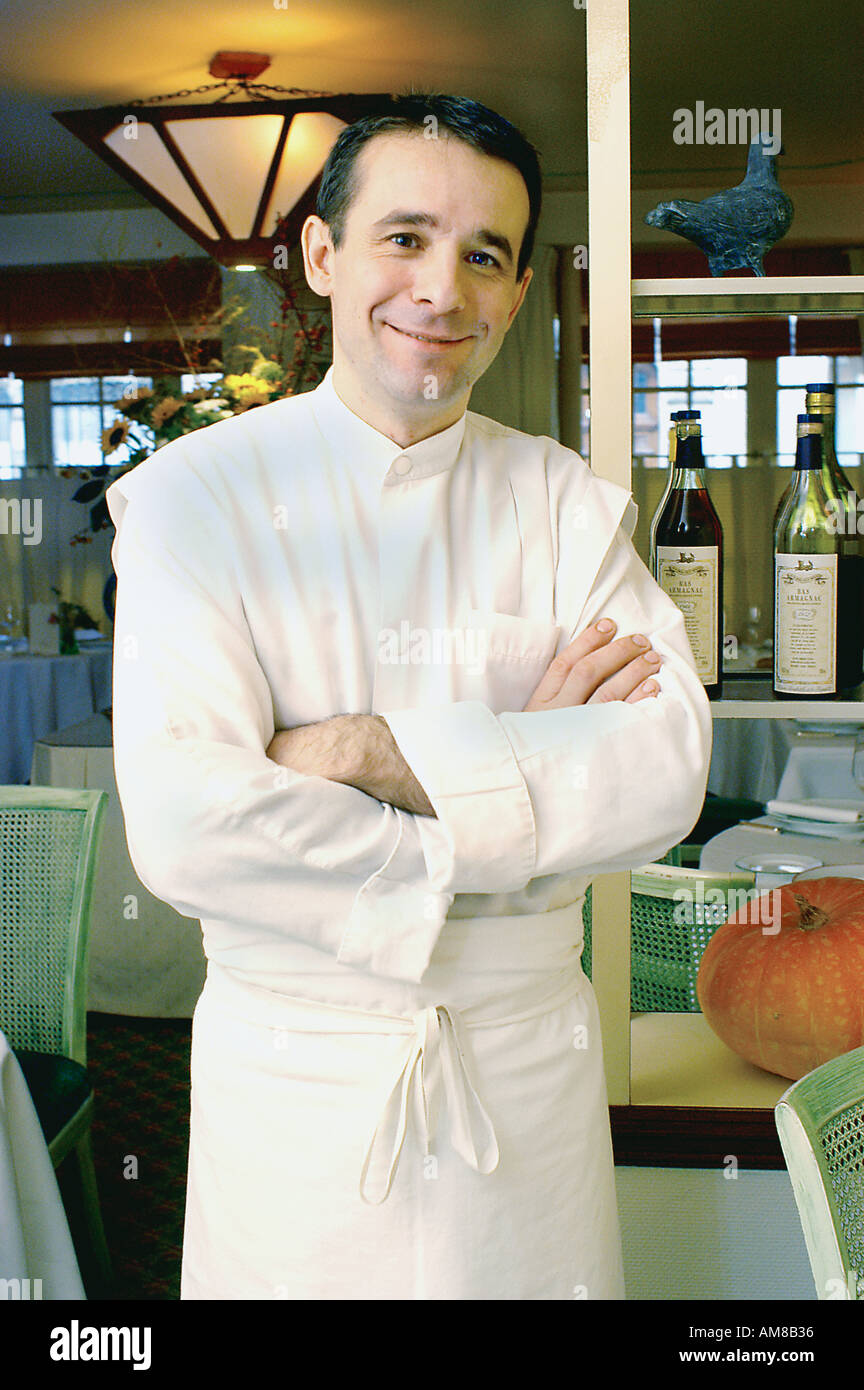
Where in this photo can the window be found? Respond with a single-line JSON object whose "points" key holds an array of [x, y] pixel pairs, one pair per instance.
{"points": [[81, 408], [12, 451], [715, 386], [847, 374], [194, 383]]}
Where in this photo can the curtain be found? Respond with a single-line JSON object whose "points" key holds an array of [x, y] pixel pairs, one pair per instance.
{"points": [[30, 566], [520, 387]]}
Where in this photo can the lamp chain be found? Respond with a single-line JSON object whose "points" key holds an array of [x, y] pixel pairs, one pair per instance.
{"points": [[235, 85]]}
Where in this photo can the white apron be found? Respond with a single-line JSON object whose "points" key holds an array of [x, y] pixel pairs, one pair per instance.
{"points": [[387, 1140]]}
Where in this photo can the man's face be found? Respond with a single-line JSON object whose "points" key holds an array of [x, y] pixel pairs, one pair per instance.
{"points": [[423, 287]]}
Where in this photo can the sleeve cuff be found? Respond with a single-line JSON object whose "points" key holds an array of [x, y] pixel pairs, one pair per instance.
{"points": [[393, 928], [396, 917], [484, 840]]}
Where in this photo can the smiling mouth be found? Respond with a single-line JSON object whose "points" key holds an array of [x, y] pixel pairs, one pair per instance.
{"points": [[425, 337]]}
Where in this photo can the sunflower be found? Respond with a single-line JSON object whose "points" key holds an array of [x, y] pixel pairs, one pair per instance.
{"points": [[163, 410], [114, 436]]}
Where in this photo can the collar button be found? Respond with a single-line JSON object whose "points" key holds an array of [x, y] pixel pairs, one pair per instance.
{"points": [[402, 466]]}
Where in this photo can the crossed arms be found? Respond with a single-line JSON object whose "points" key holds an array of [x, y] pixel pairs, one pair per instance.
{"points": [[359, 750], [327, 850]]}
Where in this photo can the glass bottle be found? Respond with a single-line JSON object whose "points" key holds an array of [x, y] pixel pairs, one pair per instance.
{"points": [[820, 400], [816, 645], [652, 544], [688, 553]]}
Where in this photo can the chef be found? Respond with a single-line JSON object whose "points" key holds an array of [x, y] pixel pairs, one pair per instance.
{"points": [[391, 687]]}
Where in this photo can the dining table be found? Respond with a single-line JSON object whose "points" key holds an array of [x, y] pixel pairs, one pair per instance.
{"points": [[37, 1256], [758, 841], [39, 694], [145, 959]]}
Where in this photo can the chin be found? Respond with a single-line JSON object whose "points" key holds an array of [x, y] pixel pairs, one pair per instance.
{"points": [[411, 387]]}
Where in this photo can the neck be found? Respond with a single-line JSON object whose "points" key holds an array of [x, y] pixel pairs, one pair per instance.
{"points": [[403, 424], [760, 165]]}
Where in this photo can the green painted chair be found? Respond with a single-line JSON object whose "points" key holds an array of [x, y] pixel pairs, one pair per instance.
{"points": [[49, 839], [820, 1121], [674, 912]]}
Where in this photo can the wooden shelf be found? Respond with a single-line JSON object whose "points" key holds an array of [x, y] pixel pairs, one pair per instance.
{"points": [[768, 296], [693, 1102], [677, 1060], [675, 1072], [753, 698], [663, 1136]]}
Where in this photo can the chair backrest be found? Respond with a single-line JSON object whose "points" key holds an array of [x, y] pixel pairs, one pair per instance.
{"points": [[820, 1121], [674, 912], [49, 838]]}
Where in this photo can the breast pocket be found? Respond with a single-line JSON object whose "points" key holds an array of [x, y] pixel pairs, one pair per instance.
{"points": [[509, 654]]}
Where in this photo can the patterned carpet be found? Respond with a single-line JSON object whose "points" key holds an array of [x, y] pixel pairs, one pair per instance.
{"points": [[140, 1072]]}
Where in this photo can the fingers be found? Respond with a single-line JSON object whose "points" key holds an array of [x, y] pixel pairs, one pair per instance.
{"points": [[612, 672], [560, 669], [593, 639], [636, 681], [646, 691], [595, 668]]}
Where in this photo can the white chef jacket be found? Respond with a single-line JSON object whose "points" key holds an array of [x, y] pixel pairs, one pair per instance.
{"points": [[292, 564]]}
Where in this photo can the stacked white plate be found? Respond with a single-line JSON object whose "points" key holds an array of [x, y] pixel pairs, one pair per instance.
{"points": [[837, 819]]}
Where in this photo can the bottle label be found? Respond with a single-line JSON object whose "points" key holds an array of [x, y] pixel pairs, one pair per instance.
{"points": [[805, 624], [690, 576]]}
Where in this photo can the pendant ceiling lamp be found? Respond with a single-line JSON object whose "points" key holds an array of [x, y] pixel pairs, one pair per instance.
{"points": [[231, 174]]}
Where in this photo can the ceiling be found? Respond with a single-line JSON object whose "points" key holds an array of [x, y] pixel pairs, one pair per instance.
{"points": [[522, 57]]}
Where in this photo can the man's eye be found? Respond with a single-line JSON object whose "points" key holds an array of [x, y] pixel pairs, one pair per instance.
{"points": [[489, 260], [405, 235]]}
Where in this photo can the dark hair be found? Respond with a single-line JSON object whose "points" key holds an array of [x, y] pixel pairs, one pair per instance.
{"points": [[467, 120]]}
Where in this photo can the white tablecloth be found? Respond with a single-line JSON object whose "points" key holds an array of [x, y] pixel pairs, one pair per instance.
{"points": [[39, 694], [744, 841], [35, 1244], [146, 960]]}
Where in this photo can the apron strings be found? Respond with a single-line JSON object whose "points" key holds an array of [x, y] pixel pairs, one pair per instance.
{"points": [[435, 1058]]}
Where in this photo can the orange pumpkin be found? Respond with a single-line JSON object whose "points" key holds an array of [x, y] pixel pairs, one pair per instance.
{"points": [[789, 999]]}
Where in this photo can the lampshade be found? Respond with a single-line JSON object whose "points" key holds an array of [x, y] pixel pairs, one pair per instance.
{"points": [[226, 174]]}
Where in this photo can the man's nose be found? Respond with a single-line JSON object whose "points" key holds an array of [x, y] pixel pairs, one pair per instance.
{"points": [[439, 280]]}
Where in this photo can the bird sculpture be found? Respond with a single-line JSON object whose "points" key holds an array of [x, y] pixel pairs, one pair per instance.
{"points": [[734, 228]]}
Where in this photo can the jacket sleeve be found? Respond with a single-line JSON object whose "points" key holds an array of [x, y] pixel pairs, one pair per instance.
{"points": [[214, 827], [587, 789]]}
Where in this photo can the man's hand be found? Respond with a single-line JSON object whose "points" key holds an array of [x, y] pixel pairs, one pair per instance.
{"points": [[593, 670]]}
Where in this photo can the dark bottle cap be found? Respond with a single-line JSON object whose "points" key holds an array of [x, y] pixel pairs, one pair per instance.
{"points": [[820, 388], [688, 425]]}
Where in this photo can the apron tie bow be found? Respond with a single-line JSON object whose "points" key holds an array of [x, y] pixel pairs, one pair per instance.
{"points": [[435, 1060]]}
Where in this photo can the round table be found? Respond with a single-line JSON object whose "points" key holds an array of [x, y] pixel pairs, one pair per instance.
{"points": [[39, 694], [145, 959], [745, 841]]}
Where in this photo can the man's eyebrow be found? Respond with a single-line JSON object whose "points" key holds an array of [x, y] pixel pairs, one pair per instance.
{"points": [[405, 218]]}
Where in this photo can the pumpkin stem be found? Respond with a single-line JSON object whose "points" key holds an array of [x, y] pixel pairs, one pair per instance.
{"points": [[810, 916]]}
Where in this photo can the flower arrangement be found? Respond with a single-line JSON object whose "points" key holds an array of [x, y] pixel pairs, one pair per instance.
{"points": [[69, 616], [149, 418]]}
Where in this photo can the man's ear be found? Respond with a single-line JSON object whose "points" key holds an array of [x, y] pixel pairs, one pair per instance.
{"points": [[318, 253], [523, 285]]}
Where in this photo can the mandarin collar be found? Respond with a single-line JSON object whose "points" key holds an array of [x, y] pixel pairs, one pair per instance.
{"points": [[365, 447]]}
